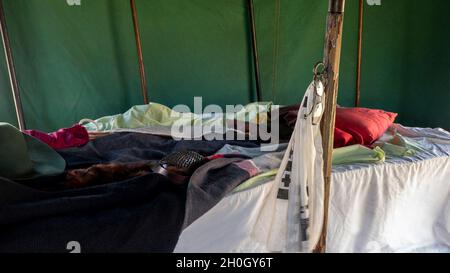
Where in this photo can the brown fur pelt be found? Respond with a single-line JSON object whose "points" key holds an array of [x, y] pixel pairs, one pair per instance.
{"points": [[106, 173]]}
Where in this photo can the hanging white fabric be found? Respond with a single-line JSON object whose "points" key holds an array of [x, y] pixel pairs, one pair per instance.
{"points": [[292, 217]]}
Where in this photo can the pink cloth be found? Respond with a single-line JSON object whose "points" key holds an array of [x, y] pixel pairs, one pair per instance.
{"points": [[75, 136]]}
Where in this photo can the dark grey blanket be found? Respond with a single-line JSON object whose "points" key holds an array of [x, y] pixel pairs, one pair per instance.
{"points": [[144, 214]]}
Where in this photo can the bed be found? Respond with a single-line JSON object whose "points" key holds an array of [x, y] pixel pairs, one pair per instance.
{"points": [[396, 206]]}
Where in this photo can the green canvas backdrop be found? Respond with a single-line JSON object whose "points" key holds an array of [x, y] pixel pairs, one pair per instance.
{"points": [[75, 62]]}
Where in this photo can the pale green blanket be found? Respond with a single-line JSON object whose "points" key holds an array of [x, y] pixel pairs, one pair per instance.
{"points": [[154, 114]]}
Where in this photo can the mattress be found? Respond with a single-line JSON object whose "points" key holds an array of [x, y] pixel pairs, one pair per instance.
{"points": [[397, 206]]}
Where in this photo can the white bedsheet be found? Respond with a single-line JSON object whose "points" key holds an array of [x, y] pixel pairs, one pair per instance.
{"points": [[399, 206], [388, 208]]}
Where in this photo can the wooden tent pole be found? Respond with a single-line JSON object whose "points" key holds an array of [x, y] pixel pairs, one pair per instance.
{"points": [[137, 36], [252, 22], [332, 56], [359, 56], [11, 70]]}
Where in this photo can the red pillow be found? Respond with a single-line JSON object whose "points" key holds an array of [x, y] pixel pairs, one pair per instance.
{"points": [[365, 125], [342, 139]]}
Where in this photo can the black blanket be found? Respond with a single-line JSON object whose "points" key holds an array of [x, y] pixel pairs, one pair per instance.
{"points": [[143, 214]]}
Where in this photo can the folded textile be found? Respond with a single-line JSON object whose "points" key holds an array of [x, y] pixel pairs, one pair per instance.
{"points": [[270, 160], [268, 163], [213, 181], [74, 136], [251, 151], [416, 132], [160, 116], [105, 173], [396, 150], [357, 154], [255, 181], [397, 145]]}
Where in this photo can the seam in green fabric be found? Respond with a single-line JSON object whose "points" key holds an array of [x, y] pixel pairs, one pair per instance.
{"points": [[276, 48]]}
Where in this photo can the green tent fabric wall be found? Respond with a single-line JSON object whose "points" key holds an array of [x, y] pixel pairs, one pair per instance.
{"points": [[72, 61], [406, 67], [80, 61]]}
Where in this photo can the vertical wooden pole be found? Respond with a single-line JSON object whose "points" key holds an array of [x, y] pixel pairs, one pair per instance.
{"points": [[359, 56], [11, 69], [137, 36], [252, 23], [332, 56]]}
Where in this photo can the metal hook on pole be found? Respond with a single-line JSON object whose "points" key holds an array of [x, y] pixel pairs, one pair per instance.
{"points": [[319, 71]]}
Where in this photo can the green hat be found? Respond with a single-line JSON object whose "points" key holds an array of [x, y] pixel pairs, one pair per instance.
{"points": [[25, 157]]}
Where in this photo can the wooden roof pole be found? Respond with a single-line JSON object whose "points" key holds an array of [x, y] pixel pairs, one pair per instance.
{"points": [[137, 35], [252, 23], [359, 55], [332, 56], [11, 69]]}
